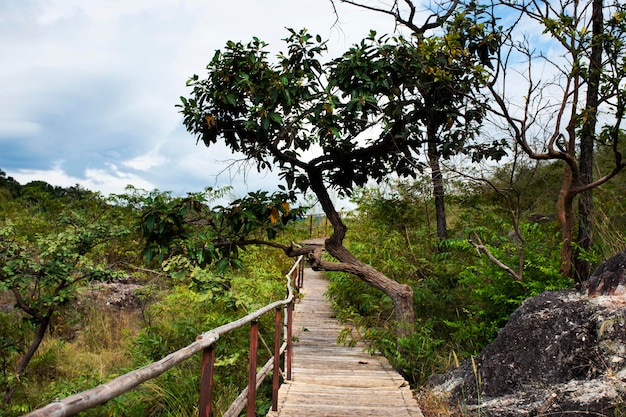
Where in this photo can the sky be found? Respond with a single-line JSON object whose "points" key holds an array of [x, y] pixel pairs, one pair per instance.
{"points": [[88, 88]]}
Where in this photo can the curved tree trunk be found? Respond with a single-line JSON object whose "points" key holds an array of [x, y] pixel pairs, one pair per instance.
{"points": [[565, 214], [401, 294]]}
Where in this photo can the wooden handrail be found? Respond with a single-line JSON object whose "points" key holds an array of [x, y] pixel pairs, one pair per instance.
{"points": [[204, 343]]}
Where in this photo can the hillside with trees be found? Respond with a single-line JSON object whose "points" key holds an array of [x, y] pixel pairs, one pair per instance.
{"points": [[87, 292]]}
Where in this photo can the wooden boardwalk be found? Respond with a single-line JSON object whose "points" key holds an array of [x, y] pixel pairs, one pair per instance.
{"points": [[337, 381]]}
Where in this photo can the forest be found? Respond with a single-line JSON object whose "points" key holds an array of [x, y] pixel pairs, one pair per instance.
{"points": [[476, 182]]}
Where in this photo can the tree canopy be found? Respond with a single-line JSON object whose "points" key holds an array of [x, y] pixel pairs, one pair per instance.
{"points": [[557, 92], [357, 118], [365, 116]]}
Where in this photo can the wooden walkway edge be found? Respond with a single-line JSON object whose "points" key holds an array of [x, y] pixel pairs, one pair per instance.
{"points": [[331, 380]]}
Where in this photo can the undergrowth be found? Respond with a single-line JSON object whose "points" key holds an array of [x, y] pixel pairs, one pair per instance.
{"points": [[94, 344], [461, 299]]}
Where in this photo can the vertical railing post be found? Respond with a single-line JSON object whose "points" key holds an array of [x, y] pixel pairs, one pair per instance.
{"points": [[206, 382], [301, 274], [295, 279], [277, 343], [289, 353], [254, 344]]}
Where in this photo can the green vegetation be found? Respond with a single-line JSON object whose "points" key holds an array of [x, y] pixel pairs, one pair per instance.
{"points": [[461, 296], [82, 300], [365, 116], [451, 90]]}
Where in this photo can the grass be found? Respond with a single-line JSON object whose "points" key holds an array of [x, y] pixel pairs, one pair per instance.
{"points": [[434, 405], [85, 348], [91, 342]]}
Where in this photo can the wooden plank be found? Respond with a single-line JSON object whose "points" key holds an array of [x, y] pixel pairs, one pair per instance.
{"points": [[337, 381]]}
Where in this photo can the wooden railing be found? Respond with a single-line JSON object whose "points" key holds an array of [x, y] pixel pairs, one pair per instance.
{"points": [[318, 225], [206, 344]]}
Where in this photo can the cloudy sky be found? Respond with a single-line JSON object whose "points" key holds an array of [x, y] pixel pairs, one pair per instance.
{"points": [[88, 87]]}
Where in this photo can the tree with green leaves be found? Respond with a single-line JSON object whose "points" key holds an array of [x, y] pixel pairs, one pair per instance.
{"points": [[453, 105], [358, 118], [9, 187], [206, 234], [563, 101], [453, 48], [43, 271]]}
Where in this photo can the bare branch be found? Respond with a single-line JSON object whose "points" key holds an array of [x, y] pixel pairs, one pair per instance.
{"points": [[482, 248], [433, 21]]}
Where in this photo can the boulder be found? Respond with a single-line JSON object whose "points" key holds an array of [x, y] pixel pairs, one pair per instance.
{"points": [[561, 353], [609, 278]]}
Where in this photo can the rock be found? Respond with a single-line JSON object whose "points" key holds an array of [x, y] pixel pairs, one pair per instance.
{"points": [[560, 354], [112, 295], [609, 278]]}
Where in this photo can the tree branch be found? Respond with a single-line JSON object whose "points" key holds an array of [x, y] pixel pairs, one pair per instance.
{"points": [[482, 248], [25, 307], [433, 21], [289, 250]]}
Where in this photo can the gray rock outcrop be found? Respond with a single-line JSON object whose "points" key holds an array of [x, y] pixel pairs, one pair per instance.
{"points": [[561, 353]]}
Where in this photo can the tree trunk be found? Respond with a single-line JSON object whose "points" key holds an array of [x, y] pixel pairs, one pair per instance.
{"points": [[567, 237], [585, 202], [39, 335], [437, 181], [565, 214], [582, 268], [401, 294]]}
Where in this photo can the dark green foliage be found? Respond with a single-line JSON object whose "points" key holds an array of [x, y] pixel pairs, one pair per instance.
{"points": [[54, 248], [205, 234], [277, 111], [9, 187]]}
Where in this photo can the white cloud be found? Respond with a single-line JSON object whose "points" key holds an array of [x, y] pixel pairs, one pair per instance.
{"points": [[94, 84], [113, 180], [147, 161], [106, 181]]}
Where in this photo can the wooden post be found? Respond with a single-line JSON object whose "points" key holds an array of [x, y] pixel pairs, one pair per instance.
{"points": [[295, 279], [206, 382], [301, 274], [254, 344], [277, 343], [289, 353], [204, 343]]}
